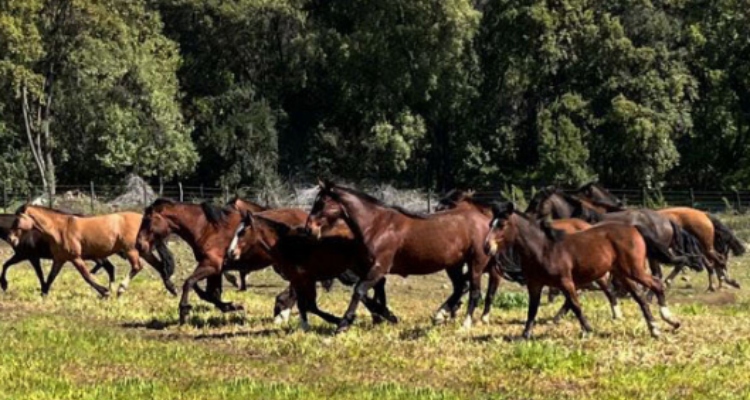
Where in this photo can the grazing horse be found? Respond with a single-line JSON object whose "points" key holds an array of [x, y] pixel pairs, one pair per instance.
{"points": [[75, 238], [553, 258], [33, 247], [401, 242], [304, 260]]}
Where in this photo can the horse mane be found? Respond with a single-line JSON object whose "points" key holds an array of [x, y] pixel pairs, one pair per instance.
{"points": [[379, 202], [22, 209], [550, 232], [456, 195], [280, 227], [214, 214], [231, 203], [161, 201]]}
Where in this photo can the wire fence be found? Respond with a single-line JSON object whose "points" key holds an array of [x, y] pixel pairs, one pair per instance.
{"points": [[91, 198]]}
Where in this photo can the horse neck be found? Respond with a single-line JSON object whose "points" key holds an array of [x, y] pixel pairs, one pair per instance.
{"points": [[528, 240], [561, 207], [188, 222], [50, 224], [361, 214]]}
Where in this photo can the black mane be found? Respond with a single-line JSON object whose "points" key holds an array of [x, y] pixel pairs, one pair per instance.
{"points": [[161, 201], [379, 202], [215, 214]]}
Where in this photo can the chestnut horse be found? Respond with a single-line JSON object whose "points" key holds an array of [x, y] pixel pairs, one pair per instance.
{"points": [[553, 258], [33, 247], [401, 242], [75, 239], [304, 260]]}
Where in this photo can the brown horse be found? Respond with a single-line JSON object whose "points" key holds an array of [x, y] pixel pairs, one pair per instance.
{"points": [[304, 260], [242, 205], [553, 258], [458, 199], [400, 242], [75, 239], [704, 227]]}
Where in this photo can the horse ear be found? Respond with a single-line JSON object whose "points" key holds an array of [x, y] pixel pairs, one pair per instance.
{"points": [[470, 193], [510, 208], [321, 184]]}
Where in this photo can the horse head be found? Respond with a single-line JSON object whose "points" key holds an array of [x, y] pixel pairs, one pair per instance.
{"points": [[495, 242], [155, 226]]}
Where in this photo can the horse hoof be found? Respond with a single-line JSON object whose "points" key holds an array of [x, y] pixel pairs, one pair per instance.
{"points": [[184, 313], [467, 323], [304, 326], [105, 293], [120, 291], [391, 318], [377, 319], [439, 318], [343, 327], [485, 319]]}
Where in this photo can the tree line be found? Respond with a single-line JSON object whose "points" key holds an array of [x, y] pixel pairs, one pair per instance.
{"points": [[418, 93]]}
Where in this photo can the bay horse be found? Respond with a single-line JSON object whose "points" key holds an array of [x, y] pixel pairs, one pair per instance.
{"points": [[33, 247], [75, 238], [241, 205], [401, 242], [708, 231], [554, 201], [553, 258], [457, 199], [304, 260]]}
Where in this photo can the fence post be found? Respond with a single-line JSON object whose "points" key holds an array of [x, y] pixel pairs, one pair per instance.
{"points": [[203, 197], [644, 197], [92, 197], [692, 198], [737, 199], [226, 194], [179, 184], [143, 189], [5, 196], [51, 199], [429, 196]]}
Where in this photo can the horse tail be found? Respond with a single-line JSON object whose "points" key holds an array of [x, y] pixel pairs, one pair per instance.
{"points": [[688, 245], [658, 251], [725, 239], [167, 259]]}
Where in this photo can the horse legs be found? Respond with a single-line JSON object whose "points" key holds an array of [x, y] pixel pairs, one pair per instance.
{"points": [[307, 302], [655, 285], [457, 279], [631, 288], [200, 273], [15, 259], [135, 267], [243, 281], [475, 294], [603, 284], [492, 285], [283, 306], [380, 298], [212, 294], [571, 298], [107, 266], [535, 297], [81, 266], [359, 292], [37, 264], [53, 272], [159, 267]]}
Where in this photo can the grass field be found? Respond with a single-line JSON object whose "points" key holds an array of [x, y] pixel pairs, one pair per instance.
{"points": [[73, 345]]}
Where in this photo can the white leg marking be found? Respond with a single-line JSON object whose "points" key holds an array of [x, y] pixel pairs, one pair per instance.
{"points": [[467, 322], [486, 319], [440, 316], [285, 314], [616, 312]]}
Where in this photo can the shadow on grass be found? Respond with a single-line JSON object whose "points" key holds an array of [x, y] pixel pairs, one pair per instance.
{"points": [[195, 321]]}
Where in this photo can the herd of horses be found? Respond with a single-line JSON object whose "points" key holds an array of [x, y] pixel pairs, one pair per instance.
{"points": [[564, 241]]}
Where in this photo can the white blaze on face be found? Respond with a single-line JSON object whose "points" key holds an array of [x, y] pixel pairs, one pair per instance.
{"points": [[235, 239]]}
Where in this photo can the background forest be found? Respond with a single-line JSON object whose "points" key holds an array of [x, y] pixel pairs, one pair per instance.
{"points": [[419, 93]]}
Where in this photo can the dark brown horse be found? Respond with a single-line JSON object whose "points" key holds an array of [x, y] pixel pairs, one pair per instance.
{"points": [[304, 260], [552, 258], [400, 242], [457, 199], [596, 193], [242, 205]]}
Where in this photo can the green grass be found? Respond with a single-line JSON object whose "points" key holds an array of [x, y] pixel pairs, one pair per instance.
{"points": [[73, 345]]}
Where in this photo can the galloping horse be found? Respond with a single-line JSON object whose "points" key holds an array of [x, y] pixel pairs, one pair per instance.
{"points": [[304, 260], [33, 247], [711, 234], [241, 205], [553, 201], [75, 239], [457, 199], [401, 242], [553, 258]]}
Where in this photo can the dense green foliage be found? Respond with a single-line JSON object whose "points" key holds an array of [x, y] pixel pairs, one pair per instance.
{"points": [[419, 93]]}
